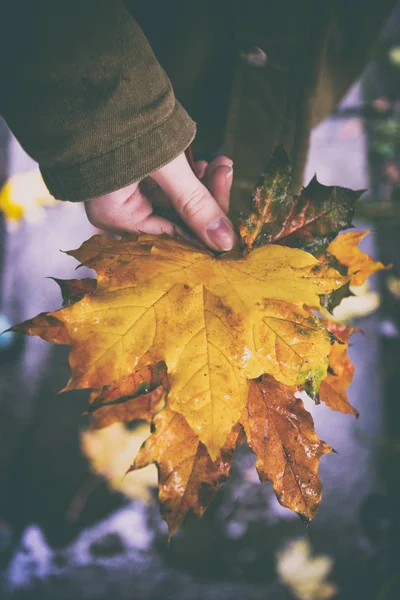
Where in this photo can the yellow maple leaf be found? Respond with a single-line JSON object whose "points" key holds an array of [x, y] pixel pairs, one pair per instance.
{"points": [[345, 249], [283, 338], [207, 346], [214, 321]]}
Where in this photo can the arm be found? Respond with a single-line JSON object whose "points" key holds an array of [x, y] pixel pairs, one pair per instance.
{"points": [[85, 96]]}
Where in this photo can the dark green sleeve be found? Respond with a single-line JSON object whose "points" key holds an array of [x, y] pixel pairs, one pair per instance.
{"points": [[84, 94]]}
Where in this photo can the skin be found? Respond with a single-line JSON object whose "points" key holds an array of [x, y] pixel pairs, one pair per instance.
{"points": [[201, 199]]}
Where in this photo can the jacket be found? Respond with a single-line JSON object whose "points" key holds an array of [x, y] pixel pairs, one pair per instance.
{"points": [[101, 92]]}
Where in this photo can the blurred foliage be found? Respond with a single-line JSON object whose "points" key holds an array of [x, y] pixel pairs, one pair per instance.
{"points": [[110, 452], [25, 196], [387, 141], [305, 575], [394, 55]]}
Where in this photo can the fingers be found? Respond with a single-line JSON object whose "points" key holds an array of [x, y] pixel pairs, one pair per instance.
{"points": [[200, 166], [152, 191], [220, 186], [127, 210], [203, 210], [159, 226], [220, 161], [194, 203], [218, 178]]}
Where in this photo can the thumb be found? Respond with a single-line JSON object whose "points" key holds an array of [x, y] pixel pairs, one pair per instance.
{"points": [[196, 206]]}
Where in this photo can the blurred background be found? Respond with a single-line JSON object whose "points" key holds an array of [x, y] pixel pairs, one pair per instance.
{"points": [[72, 527]]}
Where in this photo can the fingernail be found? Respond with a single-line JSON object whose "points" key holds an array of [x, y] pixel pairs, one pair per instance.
{"points": [[225, 170], [228, 184], [221, 234]]}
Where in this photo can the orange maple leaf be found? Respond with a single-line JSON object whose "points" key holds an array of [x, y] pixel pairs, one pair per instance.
{"points": [[360, 265], [333, 390], [188, 478], [281, 434]]}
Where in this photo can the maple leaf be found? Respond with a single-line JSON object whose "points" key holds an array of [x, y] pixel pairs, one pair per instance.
{"points": [[235, 332], [360, 265], [293, 344], [136, 397], [341, 331], [188, 478], [73, 290], [315, 217], [281, 434], [268, 196], [214, 321], [141, 407], [46, 326], [354, 298], [333, 300], [333, 390], [309, 221]]}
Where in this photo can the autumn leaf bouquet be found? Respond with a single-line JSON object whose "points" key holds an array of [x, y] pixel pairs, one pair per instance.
{"points": [[211, 349]]}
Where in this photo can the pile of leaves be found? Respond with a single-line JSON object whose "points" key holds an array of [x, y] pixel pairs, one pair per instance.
{"points": [[209, 349]]}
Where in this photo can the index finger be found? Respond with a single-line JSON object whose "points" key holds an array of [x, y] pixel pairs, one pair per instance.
{"points": [[196, 206]]}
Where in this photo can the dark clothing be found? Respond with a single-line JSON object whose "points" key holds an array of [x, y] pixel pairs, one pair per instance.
{"points": [[87, 98]]}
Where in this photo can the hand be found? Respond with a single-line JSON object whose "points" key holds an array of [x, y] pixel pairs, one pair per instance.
{"points": [[202, 207]]}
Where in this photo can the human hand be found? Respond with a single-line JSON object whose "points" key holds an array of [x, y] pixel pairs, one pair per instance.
{"points": [[202, 205]]}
